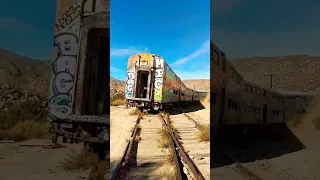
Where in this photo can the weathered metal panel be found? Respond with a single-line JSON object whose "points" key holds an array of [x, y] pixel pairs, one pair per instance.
{"points": [[66, 42]]}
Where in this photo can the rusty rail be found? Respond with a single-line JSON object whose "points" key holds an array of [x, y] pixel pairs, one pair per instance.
{"points": [[124, 163], [198, 125], [179, 150]]}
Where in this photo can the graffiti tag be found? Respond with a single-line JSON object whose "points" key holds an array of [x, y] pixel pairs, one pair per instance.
{"points": [[158, 76], [63, 69], [67, 18]]}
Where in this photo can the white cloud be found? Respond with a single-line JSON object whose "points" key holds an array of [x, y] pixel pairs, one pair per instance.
{"points": [[14, 24], [203, 49], [114, 69], [127, 51]]}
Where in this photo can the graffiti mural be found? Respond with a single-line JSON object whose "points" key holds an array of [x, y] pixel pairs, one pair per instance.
{"points": [[64, 64], [158, 78], [130, 82]]}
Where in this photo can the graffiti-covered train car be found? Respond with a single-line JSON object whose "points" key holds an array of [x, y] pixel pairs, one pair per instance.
{"points": [[241, 106], [152, 84], [79, 90]]}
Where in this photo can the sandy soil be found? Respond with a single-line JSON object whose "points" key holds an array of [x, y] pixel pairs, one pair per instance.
{"points": [[198, 151], [121, 125], [35, 163]]}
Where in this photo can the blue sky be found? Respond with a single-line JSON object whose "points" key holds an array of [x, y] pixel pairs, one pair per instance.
{"points": [[266, 28], [179, 31], [26, 27]]}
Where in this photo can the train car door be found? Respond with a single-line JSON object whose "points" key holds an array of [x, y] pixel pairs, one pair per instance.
{"points": [[264, 115], [222, 105], [96, 92]]}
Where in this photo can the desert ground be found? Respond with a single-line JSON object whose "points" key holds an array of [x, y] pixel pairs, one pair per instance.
{"points": [[29, 160]]}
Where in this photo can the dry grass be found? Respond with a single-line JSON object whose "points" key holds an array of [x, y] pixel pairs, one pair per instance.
{"points": [[23, 121], [204, 135], [137, 112], [84, 161], [168, 171], [118, 102], [163, 141]]}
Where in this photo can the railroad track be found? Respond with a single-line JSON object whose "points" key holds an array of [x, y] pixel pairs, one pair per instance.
{"points": [[181, 158], [124, 164], [198, 125]]}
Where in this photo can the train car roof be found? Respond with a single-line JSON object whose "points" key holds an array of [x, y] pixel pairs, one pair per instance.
{"points": [[227, 60], [293, 93]]}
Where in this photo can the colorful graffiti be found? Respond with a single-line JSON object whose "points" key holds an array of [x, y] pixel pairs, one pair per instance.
{"points": [[64, 65], [130, 82], [158, 78]]}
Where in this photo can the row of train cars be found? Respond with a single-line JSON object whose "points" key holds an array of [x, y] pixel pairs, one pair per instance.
{"points": [[238, 105], [152, 84]]}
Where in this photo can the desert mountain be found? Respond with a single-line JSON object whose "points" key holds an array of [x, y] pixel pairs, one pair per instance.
{"points": [[293, 73]]}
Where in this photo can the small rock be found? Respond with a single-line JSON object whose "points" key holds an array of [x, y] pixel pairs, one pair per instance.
{"points": [[200, 158], [185, 170]]}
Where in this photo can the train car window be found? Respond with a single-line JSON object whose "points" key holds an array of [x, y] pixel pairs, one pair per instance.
{"points": [[229, 104], [235, 105], [250, 88], [264, 92]]}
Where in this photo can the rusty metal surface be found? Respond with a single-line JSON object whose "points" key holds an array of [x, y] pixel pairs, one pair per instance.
{"points": [[180, 150], [124, 163]]}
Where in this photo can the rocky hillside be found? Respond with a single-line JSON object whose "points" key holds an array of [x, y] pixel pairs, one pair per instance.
{"points": [[198, 84], [10, 96], [293, 73], [19, 71], [116, 86]]}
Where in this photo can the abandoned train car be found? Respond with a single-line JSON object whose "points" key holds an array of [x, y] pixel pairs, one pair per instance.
{"points": [[153, 85], [79, 90], [238, 105]]}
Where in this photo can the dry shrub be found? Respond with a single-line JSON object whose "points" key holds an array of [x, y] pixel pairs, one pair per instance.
{"points": [[118, 102], [27, 130], [23, 121], [136, 112], [168, 170], [163, 141], [204, 135], [118, 96], [85, 160]]}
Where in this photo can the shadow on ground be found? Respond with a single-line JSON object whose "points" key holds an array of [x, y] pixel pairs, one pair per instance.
{"points": [[252, 147], [186, 108]]}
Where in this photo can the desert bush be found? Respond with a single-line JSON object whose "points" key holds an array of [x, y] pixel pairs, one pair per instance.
{"points": [[85, 160], [117, 96], [118, 102], [204, 135], [23, 121], [28, 129]]}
